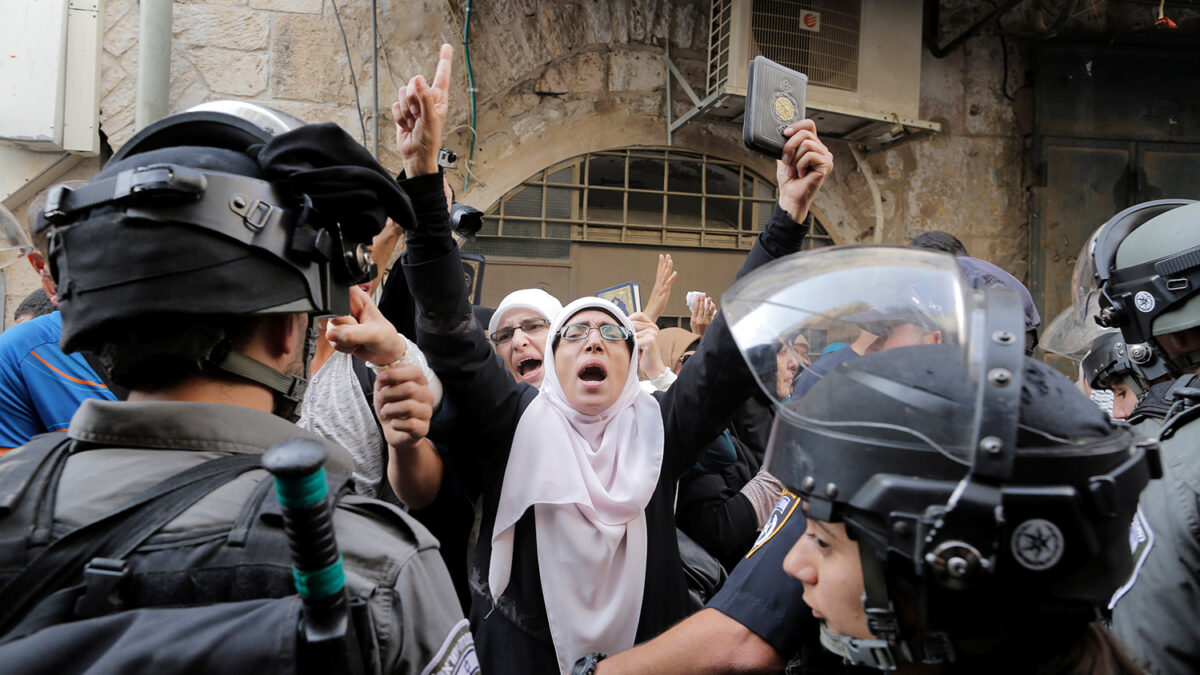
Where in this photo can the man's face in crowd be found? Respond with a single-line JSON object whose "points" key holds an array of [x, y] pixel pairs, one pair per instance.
{"points": [[905, 335], [524, 351], [788, 362], [592, 371], [1182, 342]]}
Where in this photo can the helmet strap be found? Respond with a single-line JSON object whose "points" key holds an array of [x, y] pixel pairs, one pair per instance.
{"points": [[887, 650], [288, 389]]}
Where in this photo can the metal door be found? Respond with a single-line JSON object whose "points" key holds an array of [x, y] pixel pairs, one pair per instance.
{"points": [[1114, 126]]}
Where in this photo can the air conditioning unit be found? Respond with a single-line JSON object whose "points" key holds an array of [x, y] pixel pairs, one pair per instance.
{"points": [[51, 74], [862, 59]]}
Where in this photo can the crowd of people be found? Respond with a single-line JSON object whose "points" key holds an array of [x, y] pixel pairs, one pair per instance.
{"points": [[848, 460]]}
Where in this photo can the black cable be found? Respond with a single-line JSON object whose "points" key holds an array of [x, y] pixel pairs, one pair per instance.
{"points": [[1004, 55], [1004, 84], [350, 64]]}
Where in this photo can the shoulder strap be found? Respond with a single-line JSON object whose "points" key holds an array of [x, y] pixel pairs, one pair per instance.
{"points": [[1183, 402], [366, 379], [116, 534], [29, 479], [29, 465]]}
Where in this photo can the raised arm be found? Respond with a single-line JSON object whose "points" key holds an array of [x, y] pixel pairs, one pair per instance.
{"points": [[716, 380], [660, 294], [484, 395]]}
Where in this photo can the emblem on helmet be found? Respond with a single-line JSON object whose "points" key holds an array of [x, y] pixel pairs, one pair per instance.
{"points": [[1037, 544], [1144, 301]]}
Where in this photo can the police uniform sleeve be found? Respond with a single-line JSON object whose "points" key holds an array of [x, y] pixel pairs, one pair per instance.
{"points": [[1155, 613], [759, 594]]}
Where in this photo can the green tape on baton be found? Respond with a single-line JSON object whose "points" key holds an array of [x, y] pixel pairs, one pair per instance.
{"points": [[323, 582], [301, 493]]}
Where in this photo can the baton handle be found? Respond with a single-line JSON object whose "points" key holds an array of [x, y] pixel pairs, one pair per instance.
{"points": [[299, 469]]}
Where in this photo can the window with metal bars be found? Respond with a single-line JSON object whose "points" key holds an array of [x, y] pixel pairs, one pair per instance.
{"points": [[651, 196]]}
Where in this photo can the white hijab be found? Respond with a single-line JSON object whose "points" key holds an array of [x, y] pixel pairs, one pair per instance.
{"points": [[588, 479]]}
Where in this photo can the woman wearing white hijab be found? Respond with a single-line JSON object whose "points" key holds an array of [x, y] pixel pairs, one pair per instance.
{"points": [[577, 550], [590, 449]]}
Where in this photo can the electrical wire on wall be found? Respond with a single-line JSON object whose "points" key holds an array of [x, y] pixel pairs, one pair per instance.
{"points": [[470, 91], [374, 80], [350, 64]]}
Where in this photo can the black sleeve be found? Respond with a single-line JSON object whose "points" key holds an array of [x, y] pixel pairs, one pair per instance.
{"points": [[760, 595], [397, 305], [751, 425], [716, 380], [716, 515], [485, 395]]}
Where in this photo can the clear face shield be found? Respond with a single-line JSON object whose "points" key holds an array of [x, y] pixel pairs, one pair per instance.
{"points": [[1084, 281], [1071, 336], [905, 432], [15, 243], [876, 301]]}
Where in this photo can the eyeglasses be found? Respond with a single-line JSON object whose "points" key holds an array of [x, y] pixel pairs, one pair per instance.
{"points": [[528, 326], [580, 331], [685, 356]]}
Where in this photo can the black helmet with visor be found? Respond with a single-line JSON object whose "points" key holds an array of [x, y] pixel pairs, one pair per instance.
{"points": [[1142, 278], [230, 209], [968, 474]]}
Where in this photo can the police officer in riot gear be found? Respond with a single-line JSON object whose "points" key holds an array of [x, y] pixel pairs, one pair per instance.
{"points": [[1107, 366], [1144, 266], [194, 263], [967, 508]]}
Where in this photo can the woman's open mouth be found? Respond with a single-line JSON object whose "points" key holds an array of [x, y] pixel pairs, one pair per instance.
{"points": [[593, 373], [527, 366]]}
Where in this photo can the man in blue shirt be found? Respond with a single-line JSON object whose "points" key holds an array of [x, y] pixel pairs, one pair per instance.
{"points": [[40, 386]]}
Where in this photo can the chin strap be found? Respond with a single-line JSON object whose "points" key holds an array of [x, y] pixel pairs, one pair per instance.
{"points": [[872, 653], [887, 650], [288, 389]]}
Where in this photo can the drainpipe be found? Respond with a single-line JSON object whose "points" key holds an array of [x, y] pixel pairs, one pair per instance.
{"points": [[154, 62]]}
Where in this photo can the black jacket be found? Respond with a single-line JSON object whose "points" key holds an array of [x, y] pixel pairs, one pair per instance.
{"points": [[513, 635]]}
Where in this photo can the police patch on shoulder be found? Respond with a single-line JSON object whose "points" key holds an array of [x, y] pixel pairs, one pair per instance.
{"points": [[1141, 540], [779, 515], [456, 655]]}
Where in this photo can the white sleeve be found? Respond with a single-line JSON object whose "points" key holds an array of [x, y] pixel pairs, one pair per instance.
{"points": [[664, 381], [413, 356]]}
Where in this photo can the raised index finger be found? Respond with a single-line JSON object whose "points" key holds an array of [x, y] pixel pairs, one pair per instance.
{"points": [[441, 78]]}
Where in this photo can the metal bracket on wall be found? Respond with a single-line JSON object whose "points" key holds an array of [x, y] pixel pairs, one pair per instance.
{"points": [[699, 106]]}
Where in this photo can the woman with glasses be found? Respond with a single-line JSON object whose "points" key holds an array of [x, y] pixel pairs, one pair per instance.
{"points": [[577, 550], [519, 328]]}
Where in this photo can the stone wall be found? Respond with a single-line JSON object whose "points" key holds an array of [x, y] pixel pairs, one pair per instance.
{"points": [[557, 78]]}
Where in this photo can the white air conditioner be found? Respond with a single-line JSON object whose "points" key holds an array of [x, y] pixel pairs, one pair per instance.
{"points": [[50, 72], [862, 59]]}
